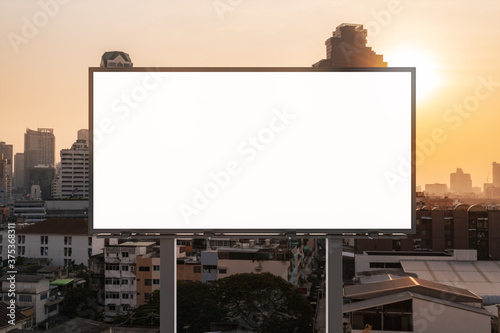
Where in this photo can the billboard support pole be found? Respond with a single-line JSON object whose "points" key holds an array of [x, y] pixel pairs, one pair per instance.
{"points": [[334, 286], [168, 283]]}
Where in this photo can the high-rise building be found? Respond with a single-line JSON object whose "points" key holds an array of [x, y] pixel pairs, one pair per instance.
{"points": [[460, 182], [83, 134], [39, 149], [56, 183], [436, 190], [116, 59], [496, 174], [3, 182], [74, 176], [347, 48], [19, 170], [6, 152]]}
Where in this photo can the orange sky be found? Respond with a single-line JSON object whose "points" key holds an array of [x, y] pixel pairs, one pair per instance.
{"points": [[455, 43]]}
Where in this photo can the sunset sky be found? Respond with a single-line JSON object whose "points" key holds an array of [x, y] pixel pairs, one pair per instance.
{"points": [[455, 45]]}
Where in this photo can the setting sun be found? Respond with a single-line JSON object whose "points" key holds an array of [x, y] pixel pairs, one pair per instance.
{"points": [[428, 75]]}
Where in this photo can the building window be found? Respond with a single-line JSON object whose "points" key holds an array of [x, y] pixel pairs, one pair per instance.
{"points": [[147, 296], [24, 298], [124, 281], [44, 251], [43, 296], [52, 308], [111, 295], [67, 240], [112, 281], [156, 281], [21, 250], [147, 282], [21, 239], [124, 254], [125, 307], [196, 269], [44, 239], [112, 307], [67, 251], [156, 267], [112, 267], [222, 270], [124, 267], [125, 296], [144, 269], [90, 241], [27, 324]]}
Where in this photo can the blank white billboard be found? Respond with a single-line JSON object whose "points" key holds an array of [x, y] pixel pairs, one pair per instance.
{"points": [[252, 150]]}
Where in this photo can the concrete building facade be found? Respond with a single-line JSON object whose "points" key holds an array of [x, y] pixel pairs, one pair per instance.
{"points": [[65, 241], [463, 227], [74, 176]]}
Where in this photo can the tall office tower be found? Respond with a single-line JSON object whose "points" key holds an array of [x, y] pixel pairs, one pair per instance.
{"points": [[39, 149], [74, 179], [3, 182], [116, 59], [83, 134], [7, 152], [460, 182], [19, 170], [496, 174], [347, 48]]}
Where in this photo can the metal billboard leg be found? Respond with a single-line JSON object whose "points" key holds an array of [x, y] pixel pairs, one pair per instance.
{"points": [[334, 286], [168, 285]]}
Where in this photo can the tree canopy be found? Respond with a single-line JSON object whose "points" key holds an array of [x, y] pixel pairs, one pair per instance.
{"points": [[259, 301]]}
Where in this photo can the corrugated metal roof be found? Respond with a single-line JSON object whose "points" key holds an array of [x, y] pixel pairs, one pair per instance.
{"points": [[429, 288], [480, 277], [406, 295]]}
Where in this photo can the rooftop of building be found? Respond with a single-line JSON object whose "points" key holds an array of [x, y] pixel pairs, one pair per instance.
{"points": [[480, 277], [404, 296], [111, 55], [424, 287], [24, 277], [57, 226], [4, 315], [50, 269], [134, 244]]}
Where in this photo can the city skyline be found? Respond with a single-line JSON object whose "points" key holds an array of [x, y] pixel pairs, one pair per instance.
{"points": [[458, 77]]}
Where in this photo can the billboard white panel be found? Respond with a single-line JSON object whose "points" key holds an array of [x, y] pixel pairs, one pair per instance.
{"points": [[192, 150]]}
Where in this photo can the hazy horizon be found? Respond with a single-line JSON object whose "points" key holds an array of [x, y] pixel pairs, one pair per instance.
{"points": [[44, 71]]}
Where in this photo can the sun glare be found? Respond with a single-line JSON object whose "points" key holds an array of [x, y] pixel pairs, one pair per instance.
{"points": [[428, 75]]}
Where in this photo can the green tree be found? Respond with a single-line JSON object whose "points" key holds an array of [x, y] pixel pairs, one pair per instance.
{"points": [[196, 306], [265, 302], [82, 302]]}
